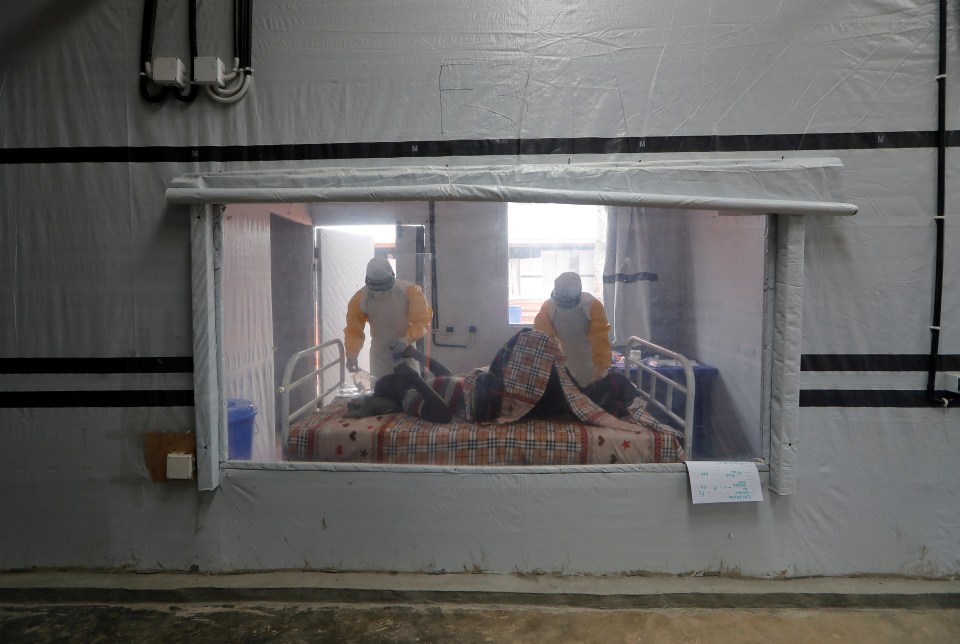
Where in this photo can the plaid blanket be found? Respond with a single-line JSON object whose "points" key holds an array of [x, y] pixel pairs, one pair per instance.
{"points": [[524, 365]]}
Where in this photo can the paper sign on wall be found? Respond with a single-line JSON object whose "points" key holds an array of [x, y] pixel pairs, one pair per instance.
{"points": [[724, 481]]}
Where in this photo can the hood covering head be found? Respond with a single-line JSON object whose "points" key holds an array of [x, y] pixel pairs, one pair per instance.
{"points": [[566, 290], [380, 275]]}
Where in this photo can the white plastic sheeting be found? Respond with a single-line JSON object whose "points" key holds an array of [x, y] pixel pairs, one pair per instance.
{"points": [[789, 187], [95, 268]]}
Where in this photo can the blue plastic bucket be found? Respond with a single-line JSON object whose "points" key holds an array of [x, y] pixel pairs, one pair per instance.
{"points": [[240, 417], [516, 311]]}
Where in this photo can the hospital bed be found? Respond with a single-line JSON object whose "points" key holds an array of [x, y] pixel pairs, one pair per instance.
{"points": [[320, 432]]}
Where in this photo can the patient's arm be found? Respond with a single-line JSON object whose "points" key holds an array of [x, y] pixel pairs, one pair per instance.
{"points": [[433, 366]]}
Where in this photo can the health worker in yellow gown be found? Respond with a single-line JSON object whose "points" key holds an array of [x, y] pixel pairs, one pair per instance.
{"points": [[578, 321], [397, 312]]}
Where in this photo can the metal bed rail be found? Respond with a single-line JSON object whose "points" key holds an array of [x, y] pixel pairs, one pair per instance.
{"points": [[650, 387], [283, 391]]}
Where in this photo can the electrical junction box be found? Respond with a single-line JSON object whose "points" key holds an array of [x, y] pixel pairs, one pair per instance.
{"points": [[169, 71], [180, 466], [951, 381], [208, 70]]}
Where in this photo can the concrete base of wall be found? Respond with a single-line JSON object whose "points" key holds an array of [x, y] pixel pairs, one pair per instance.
{"points": [[538, 609], [621, 592]]}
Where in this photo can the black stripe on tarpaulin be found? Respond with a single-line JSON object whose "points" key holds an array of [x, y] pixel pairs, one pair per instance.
{"points": [[182, 364], [863, 398], [124, 398], [810, 141], [630, 279], [876, 362]]}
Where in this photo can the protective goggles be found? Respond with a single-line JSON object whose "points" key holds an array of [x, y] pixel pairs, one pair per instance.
{"points": [[381, 285]]}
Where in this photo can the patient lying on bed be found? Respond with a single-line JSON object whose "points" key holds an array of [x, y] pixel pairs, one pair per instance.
{"points": [[437, 398], [527, 378], [523, 409]]}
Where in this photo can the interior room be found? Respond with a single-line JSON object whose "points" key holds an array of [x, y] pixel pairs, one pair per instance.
{"points": [[702, 294]]}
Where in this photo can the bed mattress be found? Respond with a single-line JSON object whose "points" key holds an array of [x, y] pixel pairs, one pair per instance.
{"points": [[399, 438]]}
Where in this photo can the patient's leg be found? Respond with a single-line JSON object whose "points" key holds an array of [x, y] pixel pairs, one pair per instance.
{"points": [[434, 408]]}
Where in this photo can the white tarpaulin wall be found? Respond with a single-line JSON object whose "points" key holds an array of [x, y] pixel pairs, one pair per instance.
{"points": [[96, 327]]}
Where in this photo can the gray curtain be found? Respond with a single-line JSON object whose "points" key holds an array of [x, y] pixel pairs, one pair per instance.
{"points": [[644, 276]]}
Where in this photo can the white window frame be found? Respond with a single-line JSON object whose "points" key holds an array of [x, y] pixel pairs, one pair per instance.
{"points": [[786, 189]]}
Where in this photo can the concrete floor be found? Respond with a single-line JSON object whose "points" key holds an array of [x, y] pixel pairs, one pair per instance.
{"points": [[335, 607]]}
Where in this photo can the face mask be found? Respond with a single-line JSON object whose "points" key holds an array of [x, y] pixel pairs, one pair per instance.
{"points": [[565, 302]]}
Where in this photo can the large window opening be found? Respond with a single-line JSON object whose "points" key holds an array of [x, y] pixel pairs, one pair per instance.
{"points": [[691, 283], [545, 240]]}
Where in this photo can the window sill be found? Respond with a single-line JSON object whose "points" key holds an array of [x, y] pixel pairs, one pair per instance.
{"points": [[302, 466]]}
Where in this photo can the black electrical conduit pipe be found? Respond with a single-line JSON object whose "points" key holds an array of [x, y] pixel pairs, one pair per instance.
{"points": [[433, 279], [238, 34], [194, 89], [242, 46], [146, 52], [248, 30], [940, 398], [242, 71], [243, 34]]}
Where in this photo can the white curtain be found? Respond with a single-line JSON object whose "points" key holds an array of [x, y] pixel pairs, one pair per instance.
{"points": [[248, 321]]}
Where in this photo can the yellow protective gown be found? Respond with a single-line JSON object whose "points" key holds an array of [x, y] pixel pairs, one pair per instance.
{"points": [[401, 312], [584, 336]]}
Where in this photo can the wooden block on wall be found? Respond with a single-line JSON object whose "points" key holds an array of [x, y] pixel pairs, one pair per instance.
{"points": [[156, 446]]}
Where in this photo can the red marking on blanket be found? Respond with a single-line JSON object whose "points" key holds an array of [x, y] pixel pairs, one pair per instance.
{"points": [[626, 444], [380, 438], [353, 435], [339, 450], [584, 442], [600, 440]]}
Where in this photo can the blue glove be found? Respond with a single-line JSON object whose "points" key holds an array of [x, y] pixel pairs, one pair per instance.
{"points": [[398, 347]]}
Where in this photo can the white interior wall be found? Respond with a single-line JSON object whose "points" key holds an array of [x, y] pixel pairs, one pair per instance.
{"points": [[95, 266], [293, 277], [471, 258], [343, 266]]}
